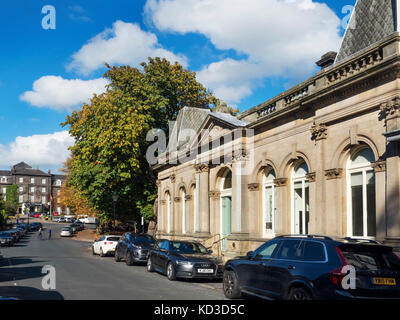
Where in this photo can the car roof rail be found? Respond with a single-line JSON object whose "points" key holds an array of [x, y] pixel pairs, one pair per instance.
{"points": [[350, 239], [308, 236]]}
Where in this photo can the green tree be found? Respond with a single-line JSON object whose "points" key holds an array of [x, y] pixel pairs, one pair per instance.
{"points": [[110, 134], [11, 203]]}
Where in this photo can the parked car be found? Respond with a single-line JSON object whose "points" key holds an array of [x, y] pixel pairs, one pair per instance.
{"points": [[66, 232], [79, 226], [134, 248], [184, 259], [105, 245], [62, 220], [311, 267], [37, 215], [35, 226], [6, 239], [13, 234], [55, 219]]}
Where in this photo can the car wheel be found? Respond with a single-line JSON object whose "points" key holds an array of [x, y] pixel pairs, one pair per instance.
{"points": [[299, 294], [94, 253], [231, 285], [171, 274], [116, 256], [128, 259], [101, 252], [150, 267]]}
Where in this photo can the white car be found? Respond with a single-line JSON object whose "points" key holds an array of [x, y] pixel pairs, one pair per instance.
{"points": [[66, 232], [105, 245]]}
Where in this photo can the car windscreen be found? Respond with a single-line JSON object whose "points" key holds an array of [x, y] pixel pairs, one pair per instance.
{"points": [[66, 229], [142, 239], [113, 238], [4, 234], [370, 257], [187, 247]]}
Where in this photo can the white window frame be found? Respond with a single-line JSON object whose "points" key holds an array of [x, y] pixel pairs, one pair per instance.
{"points": [[183, 195], [20, 199], [224, 193], [268, 184], [32, 180], [364, 169], [293, 180], [43, 189], [21, 180], [43, 181]]}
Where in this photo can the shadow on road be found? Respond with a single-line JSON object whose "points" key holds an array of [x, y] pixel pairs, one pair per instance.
{"points": [[22, 273], [28, 293]]}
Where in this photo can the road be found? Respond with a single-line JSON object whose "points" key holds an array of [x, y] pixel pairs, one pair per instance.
{"points": [[80, 275]]}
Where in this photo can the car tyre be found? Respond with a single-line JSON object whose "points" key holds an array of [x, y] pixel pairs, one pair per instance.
{"points": [[231, 285], [94, 253], [299, 294], [101, 252], [116, 256], [128, 259], [150, 267], [171, 273]]}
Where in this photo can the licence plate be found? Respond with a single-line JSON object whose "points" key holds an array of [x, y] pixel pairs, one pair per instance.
{"points": [[205, 270], [384, 281]]}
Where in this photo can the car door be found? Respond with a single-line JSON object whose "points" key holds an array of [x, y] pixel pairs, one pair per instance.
{"points": [[97, 245], [163, 255], [285, 266], [123, 245], [155, 253], [251, 272]]}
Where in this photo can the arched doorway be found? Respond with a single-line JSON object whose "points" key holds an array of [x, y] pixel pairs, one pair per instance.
{"points": [[300, 198], [226, 208], [268, 203], [168, 211], [361, 208]]}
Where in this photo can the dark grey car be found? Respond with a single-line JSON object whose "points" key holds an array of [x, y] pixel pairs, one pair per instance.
{"points": [[134, 248]]}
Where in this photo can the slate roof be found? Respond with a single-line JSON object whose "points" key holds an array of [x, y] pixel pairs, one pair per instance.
{"points": [[24, 169], [371, 21], [192, 119], [5, 173]]}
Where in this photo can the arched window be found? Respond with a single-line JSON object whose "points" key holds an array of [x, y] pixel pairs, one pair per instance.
{"points": [[300, 198], [269, 203], [184, 211], [361, 194], [168, 204], [226, 208]]}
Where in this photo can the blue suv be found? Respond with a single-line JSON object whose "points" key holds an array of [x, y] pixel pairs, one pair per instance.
{"points": [[314, 267]]}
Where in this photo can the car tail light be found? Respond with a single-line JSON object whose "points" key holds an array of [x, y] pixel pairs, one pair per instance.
{"points": [[337, 275]]}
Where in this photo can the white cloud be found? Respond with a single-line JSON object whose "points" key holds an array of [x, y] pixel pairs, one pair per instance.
{"points": [[124, 43], [42, 150], [58, 93], [279, 37]]}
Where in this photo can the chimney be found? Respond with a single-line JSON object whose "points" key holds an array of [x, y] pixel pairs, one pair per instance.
{"points": [[327, 59]]}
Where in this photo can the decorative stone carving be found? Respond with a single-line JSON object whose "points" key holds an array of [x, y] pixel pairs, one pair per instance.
{"points": [[333, 173], [281, 182], [201, 167], [214, 194], [177, 199], [391, 109], [172, 178], [188, 197], [319, 132], [253, 186], [240, 154], [158, 182], [311, 176], [379, 166], [163, 201]]}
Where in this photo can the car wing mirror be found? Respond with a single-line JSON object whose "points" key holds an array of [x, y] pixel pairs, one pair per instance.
{"points": [[250, 254]]}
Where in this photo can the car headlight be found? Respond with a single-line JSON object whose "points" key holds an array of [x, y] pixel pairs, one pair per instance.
{"points": [[184, 263]]}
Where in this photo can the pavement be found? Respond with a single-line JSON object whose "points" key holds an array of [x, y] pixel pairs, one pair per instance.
{"points": [[80, 275]]}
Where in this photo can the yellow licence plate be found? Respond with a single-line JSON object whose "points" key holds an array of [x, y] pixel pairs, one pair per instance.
{"points": [[384, 281]]}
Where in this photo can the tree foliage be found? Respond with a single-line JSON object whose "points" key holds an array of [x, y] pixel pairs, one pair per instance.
{"points": [[11, 203], [110, 134]]}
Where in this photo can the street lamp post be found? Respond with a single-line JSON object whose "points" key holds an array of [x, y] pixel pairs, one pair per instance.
{"points": [[115, 199]]}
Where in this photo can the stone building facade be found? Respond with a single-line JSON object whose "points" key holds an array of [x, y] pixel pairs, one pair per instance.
{"points": [[323, 157], [36, 188]]}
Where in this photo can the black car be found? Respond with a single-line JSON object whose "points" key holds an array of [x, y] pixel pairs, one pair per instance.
{"points": [[314, 267], [35, 226], [77, 225], [134, 248], [184, 259], [6, 239]]}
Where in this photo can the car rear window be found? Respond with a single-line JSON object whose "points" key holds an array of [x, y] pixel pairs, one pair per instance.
{"points": [[370, 258], [314, 251], [113, 239]]}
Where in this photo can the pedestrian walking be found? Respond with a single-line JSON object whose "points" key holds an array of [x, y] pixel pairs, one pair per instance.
{"points": [[40, 233], [49, 233]]}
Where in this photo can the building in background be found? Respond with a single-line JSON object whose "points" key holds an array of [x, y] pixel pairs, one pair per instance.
{"points": [[35, 188]]}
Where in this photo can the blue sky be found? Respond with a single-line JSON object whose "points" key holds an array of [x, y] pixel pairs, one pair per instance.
{"points": [[243, 65]]}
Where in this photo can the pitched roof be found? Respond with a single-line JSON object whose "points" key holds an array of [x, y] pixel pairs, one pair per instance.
{"points": [[371, 21], [25, 169]]}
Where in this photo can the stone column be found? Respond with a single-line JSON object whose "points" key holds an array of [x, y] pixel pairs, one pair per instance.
{"points": [[172, 205], [333, 213], [318, 209], [391, 112], [253, 209], [282, 223], [380, 195], [204, 198]]}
